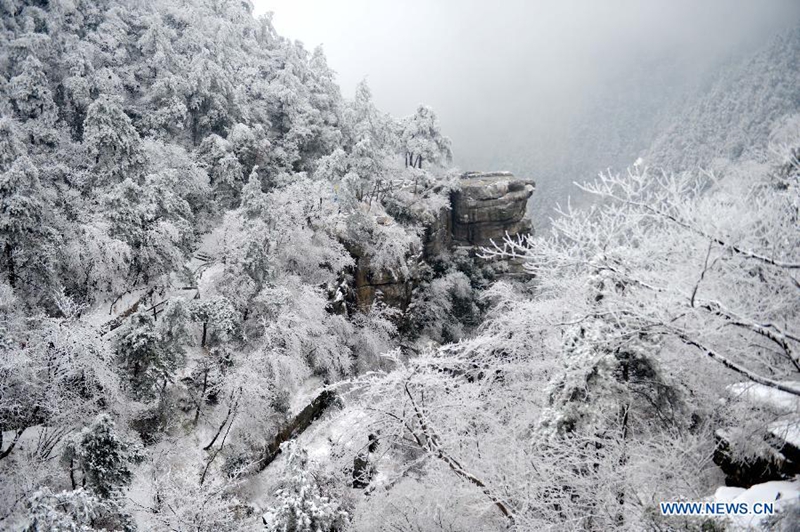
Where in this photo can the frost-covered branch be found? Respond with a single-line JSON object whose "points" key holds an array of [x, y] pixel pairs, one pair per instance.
{"points": [[636, 185], [738, 368], [431, 443]]}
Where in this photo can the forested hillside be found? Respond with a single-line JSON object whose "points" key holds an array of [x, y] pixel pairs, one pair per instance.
{"points": [[233, 299], [726, 111], [733, 114], [180, 187]]}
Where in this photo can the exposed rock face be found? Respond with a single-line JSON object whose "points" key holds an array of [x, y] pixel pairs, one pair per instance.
{"points": [[439, 234], [395, 292], [367, 282], [488, 206], [782, 465], [782, 461]]}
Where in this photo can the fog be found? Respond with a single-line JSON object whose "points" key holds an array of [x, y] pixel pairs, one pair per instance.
{"points": [[528, 85]]}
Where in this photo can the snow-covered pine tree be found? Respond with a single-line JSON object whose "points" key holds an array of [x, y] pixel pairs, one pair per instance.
{"points": [[301, 505], [28, 243], [149, 353], [111, 140], [423, 140], [100, 460]]}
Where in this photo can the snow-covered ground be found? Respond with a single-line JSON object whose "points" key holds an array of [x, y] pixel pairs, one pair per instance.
{"points": [[787, 428]]}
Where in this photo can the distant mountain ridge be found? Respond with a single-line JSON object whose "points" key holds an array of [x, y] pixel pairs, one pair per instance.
{"points": [[668, 116], [732, 116]]}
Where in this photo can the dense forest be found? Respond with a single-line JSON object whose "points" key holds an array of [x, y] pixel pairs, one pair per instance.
{"points": [[226, 302]]}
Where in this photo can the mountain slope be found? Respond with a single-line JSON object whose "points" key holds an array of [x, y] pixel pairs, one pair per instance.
{"points": [[732, 116]]}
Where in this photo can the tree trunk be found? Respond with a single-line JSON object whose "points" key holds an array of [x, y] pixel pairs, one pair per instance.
{"points": [[72, 474], [202, 397], [9, 253], [10, 448]]}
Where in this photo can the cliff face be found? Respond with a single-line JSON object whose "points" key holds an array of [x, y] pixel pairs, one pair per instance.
{"points": [[395, 291], [485, 208], [439, 235], [488, 206]]}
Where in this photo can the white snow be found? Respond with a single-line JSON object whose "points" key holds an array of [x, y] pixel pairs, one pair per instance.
{"points": [[766, 396], [787, 430], [780, 492]]}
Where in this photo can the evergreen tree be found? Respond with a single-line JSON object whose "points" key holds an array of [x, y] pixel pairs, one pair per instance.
{"points": [[218, 318], [11, 146], [326, 98], [154, 222], [73, 511], [102, 458], [302, 507], [26, 240], [112, 141], [371, 143], [149, 356], [423, 141], [30, 93]]}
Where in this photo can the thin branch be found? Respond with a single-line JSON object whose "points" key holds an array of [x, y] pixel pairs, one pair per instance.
{"points": [[715, 239], [432, 445], [739, 368], [702, 274], [10, 447], [777, 336], [231, 407]]}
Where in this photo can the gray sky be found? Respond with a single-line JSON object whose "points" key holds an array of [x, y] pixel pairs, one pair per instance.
{"points": [[521, 72]]}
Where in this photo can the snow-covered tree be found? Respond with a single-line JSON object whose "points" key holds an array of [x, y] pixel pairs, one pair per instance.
{"points": [[28, 243], [112, 142], [371, 143], [11, 146], [154, 221], [423, 141], [32, 101], [445, 308], [100, 459], [301, 504], [214, 507], [147, 354], [218, 317], [722, 246], [224, 169], [76, 510]]}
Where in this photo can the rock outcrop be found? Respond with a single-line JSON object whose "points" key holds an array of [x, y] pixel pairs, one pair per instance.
{"points": [[394, 291], [439, 234], [485, 208], [780, 456], [488, 206]]}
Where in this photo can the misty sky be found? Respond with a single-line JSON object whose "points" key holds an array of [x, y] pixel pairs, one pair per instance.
{"points": [[511, 77]]}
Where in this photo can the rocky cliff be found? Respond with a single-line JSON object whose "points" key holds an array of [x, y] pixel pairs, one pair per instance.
{"points": [[489, 205], [395, 291], [485, 208]]}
